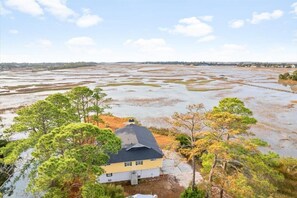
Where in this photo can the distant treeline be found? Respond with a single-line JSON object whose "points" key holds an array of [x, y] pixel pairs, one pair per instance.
{"points": [[193, 63], [44, 66], [274, 65], [238, 64], [53, 66]]}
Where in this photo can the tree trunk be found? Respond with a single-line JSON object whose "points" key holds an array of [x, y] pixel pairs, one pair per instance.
{"points": [[193, 158], [212, 169], [221, 192], [194, 172], [211, 175], [225, 166]]}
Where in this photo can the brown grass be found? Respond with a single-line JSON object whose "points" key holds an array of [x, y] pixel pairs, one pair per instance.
{"points": [[112, 122], [166, 142], [288, 82], [207, 89], [131, 84], [161, 101]]}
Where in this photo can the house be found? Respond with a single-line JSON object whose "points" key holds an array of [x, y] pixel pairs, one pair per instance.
{"points": [[140, 156]]}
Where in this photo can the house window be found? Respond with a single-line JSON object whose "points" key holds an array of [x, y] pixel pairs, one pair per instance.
{"points": [[108, 174], [139, 162], [128, 163]]}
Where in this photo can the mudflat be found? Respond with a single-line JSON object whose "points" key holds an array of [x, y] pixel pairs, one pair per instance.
{"points": [[152, 92]]}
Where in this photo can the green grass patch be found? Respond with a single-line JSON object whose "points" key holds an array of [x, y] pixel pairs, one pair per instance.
{"points": [[203, 82], [206, 89], [180, 81], [259, 142]]}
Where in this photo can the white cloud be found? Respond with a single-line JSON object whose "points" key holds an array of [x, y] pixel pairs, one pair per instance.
{"points": [[26, 6], [206, 18], [13, 31], [150, 45], [192, 27], [294, 6], [207, 38], [88, 19], [80, 41], [236, 23], [3, 10], [258, 17], [44, 43], [85, 49], [57, 8], [234, 47]]}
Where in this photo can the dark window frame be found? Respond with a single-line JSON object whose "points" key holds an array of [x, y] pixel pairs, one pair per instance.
{"points": [[139, 162], [127, 164]]}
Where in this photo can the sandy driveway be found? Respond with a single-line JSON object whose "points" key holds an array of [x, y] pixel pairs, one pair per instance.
{"points": [[174, 164]]}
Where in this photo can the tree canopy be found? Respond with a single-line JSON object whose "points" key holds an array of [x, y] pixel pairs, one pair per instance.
{"points": [[231, 161], [67, 151], [189, 124], [70, 156]]}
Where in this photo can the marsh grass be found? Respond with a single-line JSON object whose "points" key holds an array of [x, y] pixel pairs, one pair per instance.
{"points": [[130, 84], [25, 89], [207, 89]]}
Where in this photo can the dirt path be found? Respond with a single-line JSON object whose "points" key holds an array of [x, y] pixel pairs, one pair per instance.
{"points": [[165, 186]]}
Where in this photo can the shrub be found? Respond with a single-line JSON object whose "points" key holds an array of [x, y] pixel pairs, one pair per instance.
{"points": [[281, 76], [287, 76], [184, 140], [162, 131], [196, 193]]}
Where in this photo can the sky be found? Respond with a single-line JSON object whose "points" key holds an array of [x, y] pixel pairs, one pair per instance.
{"points": [[148, 30]]}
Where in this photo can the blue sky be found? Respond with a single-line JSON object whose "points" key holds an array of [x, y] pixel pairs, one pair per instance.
{"points": [[148, 30]]}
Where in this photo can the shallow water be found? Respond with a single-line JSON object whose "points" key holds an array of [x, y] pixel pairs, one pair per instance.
{"points": [[273, 108]]}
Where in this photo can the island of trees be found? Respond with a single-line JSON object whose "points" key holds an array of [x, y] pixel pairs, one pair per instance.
{"points": [[288, 76], [67, 148]]}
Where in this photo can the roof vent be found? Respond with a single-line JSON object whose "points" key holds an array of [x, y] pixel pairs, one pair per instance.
{"points": [[131, 121]]}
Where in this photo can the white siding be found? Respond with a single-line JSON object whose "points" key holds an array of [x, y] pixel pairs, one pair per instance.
{"points": [[126, 176]]}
